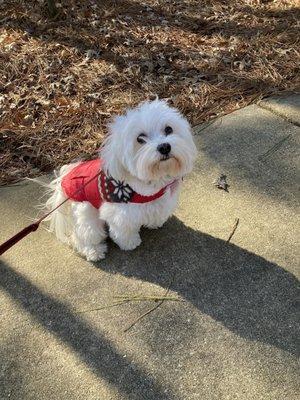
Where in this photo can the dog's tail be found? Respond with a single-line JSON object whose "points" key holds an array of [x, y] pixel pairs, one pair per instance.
{"points": [[60, 221]]}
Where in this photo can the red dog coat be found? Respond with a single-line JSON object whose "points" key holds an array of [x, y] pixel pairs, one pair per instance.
{"points": [[102, 188]]}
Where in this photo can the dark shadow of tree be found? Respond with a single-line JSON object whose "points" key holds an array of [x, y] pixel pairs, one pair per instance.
{"points": [[92, 348]]}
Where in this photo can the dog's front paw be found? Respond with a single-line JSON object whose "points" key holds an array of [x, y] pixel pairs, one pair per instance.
{"points": [[94, 253], [155, 226], [128, 243]]}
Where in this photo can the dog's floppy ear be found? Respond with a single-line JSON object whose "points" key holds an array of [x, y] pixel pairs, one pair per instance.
{"points": [[111, 149]]}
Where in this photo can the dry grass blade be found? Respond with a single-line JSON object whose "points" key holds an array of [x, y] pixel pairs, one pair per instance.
{"points": [[122, 299], [150, 310], [103, 307], [147, 298]]}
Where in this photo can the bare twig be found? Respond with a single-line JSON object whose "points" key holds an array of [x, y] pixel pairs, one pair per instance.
{"points": [[233, 229]]}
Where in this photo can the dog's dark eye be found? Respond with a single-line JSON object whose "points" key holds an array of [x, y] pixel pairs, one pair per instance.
{"points": [[140, 139], [168, 130]]}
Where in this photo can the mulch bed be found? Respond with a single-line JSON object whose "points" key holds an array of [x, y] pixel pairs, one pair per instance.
{"points": [[63, 77]]}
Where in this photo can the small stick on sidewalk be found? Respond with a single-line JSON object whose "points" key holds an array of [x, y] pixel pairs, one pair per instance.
{"points": [[233, 229]]}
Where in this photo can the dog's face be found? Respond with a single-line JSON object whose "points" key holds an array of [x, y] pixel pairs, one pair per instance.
{"points": [[151, 142]]}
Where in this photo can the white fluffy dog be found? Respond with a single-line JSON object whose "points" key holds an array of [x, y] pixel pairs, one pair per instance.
{"points": [[138, 176]]}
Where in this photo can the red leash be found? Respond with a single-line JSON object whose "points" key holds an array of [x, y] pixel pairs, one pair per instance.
{"points": [[34, 226]]}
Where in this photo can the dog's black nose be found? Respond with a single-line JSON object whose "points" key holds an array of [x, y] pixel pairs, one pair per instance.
{"points": [[164, 148]]}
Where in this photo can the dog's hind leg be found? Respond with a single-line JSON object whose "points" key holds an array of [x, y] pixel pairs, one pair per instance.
{"points": [[89, 231]]}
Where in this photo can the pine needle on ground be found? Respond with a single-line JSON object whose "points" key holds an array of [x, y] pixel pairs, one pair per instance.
{"points": [[62, 79]]}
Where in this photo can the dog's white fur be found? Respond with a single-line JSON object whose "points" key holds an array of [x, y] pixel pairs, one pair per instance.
{"points": [[139, 165]]}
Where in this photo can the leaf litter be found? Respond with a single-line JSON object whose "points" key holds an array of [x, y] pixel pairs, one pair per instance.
{"points": [[64, 77]]}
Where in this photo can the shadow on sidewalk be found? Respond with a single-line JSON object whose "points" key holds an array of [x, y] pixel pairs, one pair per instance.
{"points": [[99, 355], [249, 295]]}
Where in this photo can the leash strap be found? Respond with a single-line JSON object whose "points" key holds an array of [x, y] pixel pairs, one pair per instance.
{"points": [[34, 226], [16, 238]]}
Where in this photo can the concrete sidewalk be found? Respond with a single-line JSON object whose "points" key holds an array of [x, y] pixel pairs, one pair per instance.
{"points": [[235, 335]]}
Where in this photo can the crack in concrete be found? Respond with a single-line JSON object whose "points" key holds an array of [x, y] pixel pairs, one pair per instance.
{"points": [[278, 114]]}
